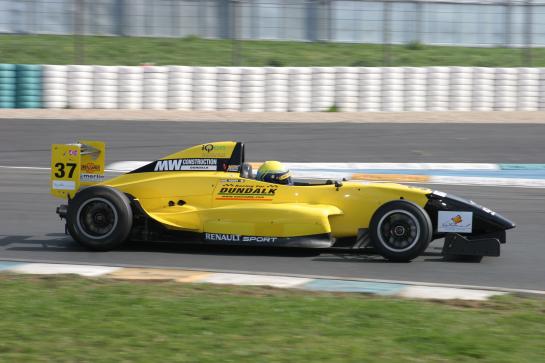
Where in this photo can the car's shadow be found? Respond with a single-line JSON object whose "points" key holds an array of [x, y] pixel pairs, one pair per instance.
{"points": [[58, 242], [61, 243], [52, 241]]}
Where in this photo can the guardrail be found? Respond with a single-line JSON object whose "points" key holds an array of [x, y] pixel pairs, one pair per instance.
{"points": [[274, 89]]}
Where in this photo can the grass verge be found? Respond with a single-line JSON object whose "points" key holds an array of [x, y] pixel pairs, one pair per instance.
{"points": [[54, 49], [70, 319]]}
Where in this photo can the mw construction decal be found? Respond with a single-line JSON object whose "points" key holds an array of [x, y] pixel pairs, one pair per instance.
{"points": [[246, 192], [186, 164]]}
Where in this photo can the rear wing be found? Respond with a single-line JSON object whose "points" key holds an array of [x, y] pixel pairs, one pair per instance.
{"points": [[76, 165]]}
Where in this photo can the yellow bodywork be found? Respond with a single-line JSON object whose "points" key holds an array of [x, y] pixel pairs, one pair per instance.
{"points": [[76, 165], [223, 202]]}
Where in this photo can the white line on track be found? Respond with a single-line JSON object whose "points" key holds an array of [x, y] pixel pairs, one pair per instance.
{"points": [[484, 181], [24, 167], [395, 166]]}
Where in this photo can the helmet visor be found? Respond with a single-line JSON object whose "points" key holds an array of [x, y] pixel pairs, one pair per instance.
{"points": [[278, 178]]}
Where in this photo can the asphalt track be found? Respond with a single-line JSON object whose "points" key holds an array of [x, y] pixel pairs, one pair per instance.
{"points": [[30, 230]]}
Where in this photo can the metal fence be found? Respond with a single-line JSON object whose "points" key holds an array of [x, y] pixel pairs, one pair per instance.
{"points": [[475, 23]]}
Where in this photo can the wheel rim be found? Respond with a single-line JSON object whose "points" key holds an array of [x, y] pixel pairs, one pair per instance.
{"points": [[97, 218], [398, 230]]}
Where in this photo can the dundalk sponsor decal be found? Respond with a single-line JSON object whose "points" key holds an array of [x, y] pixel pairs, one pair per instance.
{"points": [[453, 221], [238, 238], [186, 164], [247, 192]]}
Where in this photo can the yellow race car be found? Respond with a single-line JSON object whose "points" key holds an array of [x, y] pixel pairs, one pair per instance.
{"points": [[207, 194]]}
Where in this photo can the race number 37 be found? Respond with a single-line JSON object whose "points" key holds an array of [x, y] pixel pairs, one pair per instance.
{"points": [[63, 169]]}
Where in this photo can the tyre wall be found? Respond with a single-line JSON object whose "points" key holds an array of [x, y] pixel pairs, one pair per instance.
{"points": [[7, 85], [273, 89], [21, 86], [28, 90]]}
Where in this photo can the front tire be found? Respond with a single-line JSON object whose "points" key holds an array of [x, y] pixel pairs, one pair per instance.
{"points": [[400, 230], [99, 218]]}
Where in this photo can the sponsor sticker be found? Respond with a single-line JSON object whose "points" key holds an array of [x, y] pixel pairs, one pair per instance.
{"points": [[454, 221], [90, 168], [186, 164], [246, 192], [218, 151], [238, 238], [63, 185], [210, 147], [91, 178], [93, 155]]}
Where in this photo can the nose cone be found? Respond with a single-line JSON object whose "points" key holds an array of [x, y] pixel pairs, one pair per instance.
{"points": [[483, 216]]}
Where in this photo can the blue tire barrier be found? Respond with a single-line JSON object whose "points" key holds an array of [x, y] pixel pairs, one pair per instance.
{"points": [[7, 85], [7, 104], [29, 93], [34, 81], [7, 98], [7, 67], [29, 104], [29, 67], [7, 95], [29, 86], [28, 76], [26, 86], [7, 74], [29, 98]]}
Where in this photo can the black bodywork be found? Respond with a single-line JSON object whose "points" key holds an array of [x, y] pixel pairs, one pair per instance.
{"points": [[488, 226]]}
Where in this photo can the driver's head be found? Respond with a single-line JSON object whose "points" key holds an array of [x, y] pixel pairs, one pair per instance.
{"points": [[273, 172]]}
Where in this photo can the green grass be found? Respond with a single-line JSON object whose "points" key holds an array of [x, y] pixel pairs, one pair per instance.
{"points": [[69, 319], [51, 49]]}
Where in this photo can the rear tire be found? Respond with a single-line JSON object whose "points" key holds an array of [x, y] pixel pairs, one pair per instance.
{"points": [[99, 218], [400, 230]]}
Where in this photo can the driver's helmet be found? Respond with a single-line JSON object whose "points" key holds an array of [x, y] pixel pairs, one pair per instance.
{"points": [[274, 172]]}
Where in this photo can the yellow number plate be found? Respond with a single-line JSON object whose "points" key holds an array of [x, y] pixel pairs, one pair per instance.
{"points": [[65, 170]]}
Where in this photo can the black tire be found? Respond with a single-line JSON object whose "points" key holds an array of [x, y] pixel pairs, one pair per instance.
{"points": [[99, 218], [400, 230]]}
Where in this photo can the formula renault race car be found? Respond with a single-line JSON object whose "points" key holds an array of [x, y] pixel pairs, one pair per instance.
{"points": [[207, 194]]}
